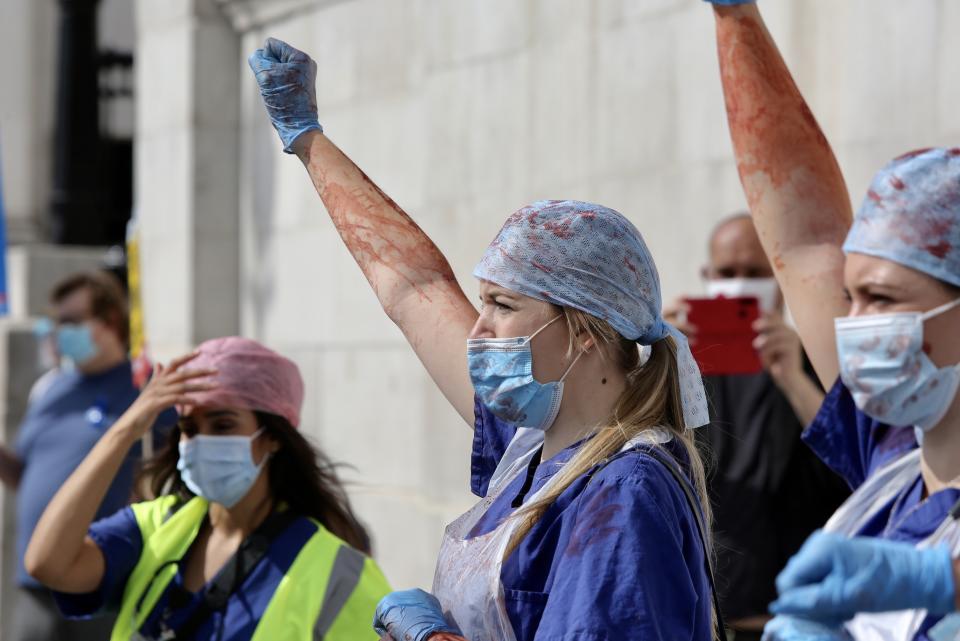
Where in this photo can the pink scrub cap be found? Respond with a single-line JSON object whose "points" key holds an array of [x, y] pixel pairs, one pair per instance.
{"points": [[250, 377], [912, 214], [591, 258]]}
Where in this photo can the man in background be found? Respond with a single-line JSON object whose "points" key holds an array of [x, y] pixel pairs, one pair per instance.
{"points": [[64, 420], [769, 491]]}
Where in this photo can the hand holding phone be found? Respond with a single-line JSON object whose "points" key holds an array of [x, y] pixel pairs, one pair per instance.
{"points": [[723, 341]]}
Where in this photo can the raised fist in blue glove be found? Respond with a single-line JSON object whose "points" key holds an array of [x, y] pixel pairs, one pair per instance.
{"points": [[832, 578], [785, 628], [411, 615], [287, 79]]}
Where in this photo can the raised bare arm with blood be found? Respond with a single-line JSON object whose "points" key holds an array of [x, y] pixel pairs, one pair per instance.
{"points": [[409, 275], [794, 187]]}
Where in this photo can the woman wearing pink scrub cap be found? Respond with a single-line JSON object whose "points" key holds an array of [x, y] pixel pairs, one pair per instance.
{"points": [[249, 532]]}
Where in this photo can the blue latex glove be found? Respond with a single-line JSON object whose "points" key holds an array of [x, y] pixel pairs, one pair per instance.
{"points": [[832, 578], [287, 78], [948, 629], [411, 615], [784, 628]]}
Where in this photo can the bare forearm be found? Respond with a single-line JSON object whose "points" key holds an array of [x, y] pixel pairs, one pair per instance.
{"points": [[410, 277], [805, 398], [791, 178], [397, 257], [58, 539], [11, 468]]}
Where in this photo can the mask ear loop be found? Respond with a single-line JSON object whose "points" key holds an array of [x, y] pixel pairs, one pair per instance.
{"points": [[942, 309], [549, 323], [936, 311], [574, 362], [570, 367], [267, 455]]}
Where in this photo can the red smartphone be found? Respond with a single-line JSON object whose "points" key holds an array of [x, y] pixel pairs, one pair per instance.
{"points": [[723, 343]]}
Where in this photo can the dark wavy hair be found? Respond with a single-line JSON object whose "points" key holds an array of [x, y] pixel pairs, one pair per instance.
{"points": [[299, 475]]}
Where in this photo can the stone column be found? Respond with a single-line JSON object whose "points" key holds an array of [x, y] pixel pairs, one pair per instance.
{"points": [[26, 116], [188, 84]]}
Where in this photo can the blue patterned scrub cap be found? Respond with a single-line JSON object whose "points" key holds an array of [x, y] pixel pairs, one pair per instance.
{"points": [[591, 258], [911, 215]]}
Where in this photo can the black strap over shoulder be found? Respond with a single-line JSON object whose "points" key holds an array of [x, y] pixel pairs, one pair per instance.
{"points": [[231, 575], [694, 503]]}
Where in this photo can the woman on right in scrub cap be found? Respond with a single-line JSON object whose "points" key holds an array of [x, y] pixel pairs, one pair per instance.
{"points": [[876, 298], [251, 535]]}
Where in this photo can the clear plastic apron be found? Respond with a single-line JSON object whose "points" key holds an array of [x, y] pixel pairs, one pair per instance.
{"points": [[871, 497], [467, 578]]}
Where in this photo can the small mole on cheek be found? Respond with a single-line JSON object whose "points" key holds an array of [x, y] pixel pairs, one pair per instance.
{"points": [[603, 381]]}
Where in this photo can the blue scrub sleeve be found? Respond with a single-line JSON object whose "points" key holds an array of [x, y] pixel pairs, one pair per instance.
{"points": [[119, 539], [851, 443], [491, 436], [633, 567]]}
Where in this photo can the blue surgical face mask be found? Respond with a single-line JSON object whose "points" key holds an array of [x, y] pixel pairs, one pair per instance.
{"points": [[501, 370], [219, 468], [75, 342], [892, 380]]}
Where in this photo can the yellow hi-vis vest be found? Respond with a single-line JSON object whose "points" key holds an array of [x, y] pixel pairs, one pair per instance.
{"points": [[330, 591]]}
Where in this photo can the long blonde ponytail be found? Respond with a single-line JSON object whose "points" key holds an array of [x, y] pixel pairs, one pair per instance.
{"points": [[651, 400]]}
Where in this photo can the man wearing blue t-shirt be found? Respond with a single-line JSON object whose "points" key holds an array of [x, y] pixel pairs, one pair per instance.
{"points": [[64, 420]]}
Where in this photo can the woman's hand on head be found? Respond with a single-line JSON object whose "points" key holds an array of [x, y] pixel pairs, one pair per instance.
{"points": [[169, 386]]}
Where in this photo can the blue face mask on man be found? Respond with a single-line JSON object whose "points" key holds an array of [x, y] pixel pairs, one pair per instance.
{"points": [[75, 341], [219, 468], [892, 380], [501, 370]]}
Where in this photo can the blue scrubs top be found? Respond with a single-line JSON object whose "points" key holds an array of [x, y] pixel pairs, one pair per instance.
{"points": [[118, 537], [618, 556], [855, 446]]}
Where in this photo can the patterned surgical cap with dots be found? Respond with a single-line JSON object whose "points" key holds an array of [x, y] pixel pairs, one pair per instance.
{"points": [[591, 258], [911, 214]]}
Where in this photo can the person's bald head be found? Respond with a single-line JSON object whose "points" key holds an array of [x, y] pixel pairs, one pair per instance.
{"points": [[735, 250]]}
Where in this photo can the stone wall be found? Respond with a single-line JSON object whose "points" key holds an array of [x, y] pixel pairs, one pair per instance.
{"points": [[463, 111]]}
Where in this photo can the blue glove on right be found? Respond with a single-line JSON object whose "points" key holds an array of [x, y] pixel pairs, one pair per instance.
{"points": [[411, 615], [832, 578], [796, 629], [948, 629], [287, 78]]}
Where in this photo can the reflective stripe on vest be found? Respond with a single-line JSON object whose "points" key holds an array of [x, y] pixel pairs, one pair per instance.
{"points": [[347, 568], [326, 572]]}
